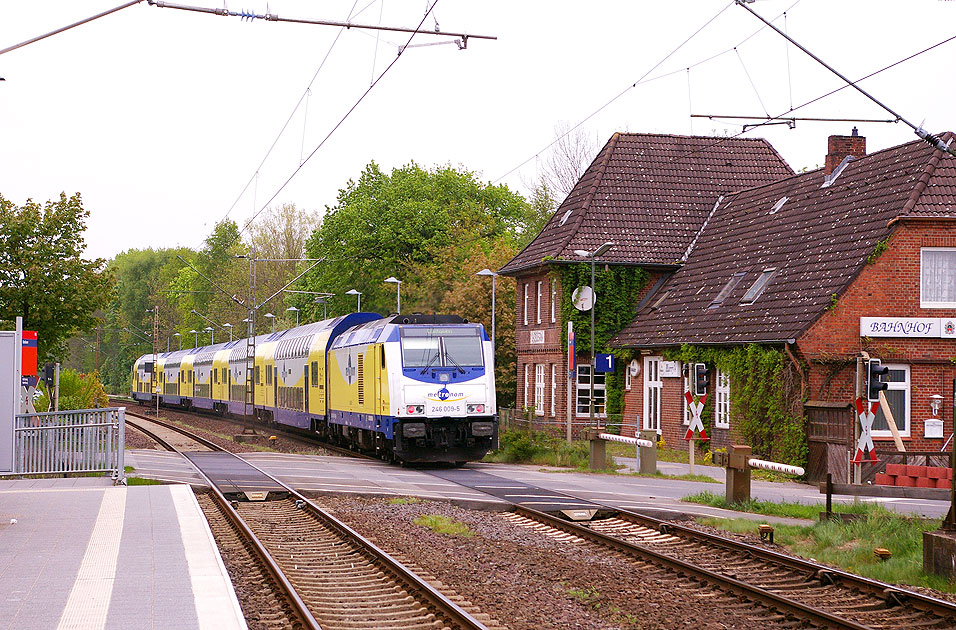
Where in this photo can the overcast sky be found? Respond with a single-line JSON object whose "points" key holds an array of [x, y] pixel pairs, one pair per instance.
{"points": [[160, 117]]}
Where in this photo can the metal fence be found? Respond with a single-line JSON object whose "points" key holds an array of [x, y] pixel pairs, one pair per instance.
{"points": [[81, 441]]}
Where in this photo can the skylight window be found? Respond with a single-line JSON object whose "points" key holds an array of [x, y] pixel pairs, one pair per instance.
{"points": [[756, 289], [778, 205], [728, 288], [656, 304]]}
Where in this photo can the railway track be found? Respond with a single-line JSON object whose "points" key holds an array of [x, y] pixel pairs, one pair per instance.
{"points": [[781, 588], [331, 576]]}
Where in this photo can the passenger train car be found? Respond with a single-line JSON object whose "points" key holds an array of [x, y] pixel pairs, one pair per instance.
{"points": [[410, 388]]}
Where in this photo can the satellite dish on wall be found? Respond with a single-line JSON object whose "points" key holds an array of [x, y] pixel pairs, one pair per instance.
{"points": [[583, 298]]}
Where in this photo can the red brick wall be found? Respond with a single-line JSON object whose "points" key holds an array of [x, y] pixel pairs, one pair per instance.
{"points": [[888, 287]]}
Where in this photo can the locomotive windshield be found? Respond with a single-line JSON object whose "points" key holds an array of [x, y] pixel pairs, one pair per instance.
{"points": [[441, 347]]}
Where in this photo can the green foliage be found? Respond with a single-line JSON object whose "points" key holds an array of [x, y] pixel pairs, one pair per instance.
{"points": [[878, 250], [44, 278], [520, 446], [444, 525], [77, 391], [391, 224], [617, 289], [850, 545], [770, 508], [834, 299], [404, 500], [763, 400]]}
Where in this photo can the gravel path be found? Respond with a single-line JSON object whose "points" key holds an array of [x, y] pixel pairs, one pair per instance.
{"points": [[528, 581]]}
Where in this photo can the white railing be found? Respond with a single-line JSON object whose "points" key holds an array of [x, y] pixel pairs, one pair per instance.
{"points": [[80, 441], [774, 466], [626, 440]]}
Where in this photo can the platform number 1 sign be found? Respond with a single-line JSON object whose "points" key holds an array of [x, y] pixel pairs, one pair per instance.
{"points": [[604, 363]]}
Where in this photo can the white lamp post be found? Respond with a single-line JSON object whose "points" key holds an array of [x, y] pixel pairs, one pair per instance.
{"points": [[229, 326], [359, 294], [324, 301], [592, 255], [398, 285], [273, 318], [195, 332], [296, 311], [179, 338], [212, 335], [494, 276]]}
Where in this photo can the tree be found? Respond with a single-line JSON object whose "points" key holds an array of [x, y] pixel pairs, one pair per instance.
{"points": [[399, 224], [44, 278], [571, 154], [281, 234]]}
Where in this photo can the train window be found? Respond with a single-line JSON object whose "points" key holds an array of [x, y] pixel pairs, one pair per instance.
{"points": [[446, 346], [269, 377], [315, 374], [257, 376]]}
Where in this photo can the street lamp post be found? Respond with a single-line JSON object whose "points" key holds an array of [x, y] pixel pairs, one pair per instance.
{"points": [[196, 340], [212, 335], [179, 339], [296, 311], [324, 301], [592, 255], [398, 285], [229, 326], [359, 294], [494, 276], [273, 318]]}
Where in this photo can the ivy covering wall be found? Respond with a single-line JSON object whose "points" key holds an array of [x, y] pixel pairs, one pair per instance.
{"points": [[618, 289], [765, 404]]}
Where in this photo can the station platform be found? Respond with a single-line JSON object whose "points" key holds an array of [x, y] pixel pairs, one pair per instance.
{"points": [[81, 553]]}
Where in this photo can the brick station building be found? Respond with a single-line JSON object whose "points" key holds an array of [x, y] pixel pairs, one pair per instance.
{"points": [[859, 256], [649, 194]]}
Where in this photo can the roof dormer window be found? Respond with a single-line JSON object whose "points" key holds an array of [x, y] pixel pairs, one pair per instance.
{"points": [[728, 288], [756, 289]]}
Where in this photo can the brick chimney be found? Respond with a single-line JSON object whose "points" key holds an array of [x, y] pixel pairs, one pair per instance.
{"points": [[838, 147]]}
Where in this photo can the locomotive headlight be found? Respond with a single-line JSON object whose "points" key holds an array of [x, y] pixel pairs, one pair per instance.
{"points": [[480, 429], [415, 409], [479, 408], [413, 429]]}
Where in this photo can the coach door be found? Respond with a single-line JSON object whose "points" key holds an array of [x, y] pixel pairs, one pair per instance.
{"points": [[652, 393], [305, 386], [378, 404]]}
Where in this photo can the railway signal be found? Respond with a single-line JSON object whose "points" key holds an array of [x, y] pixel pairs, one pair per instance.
{"points": [[701, 379], [874, 379]]}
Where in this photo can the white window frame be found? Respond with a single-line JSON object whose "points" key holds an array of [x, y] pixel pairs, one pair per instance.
{"points": [[583, 387], [923, 302], [653, 387], [688, 375], [554, 301], [627, 378], [906, 386], [554, 387], [527, 367], [722, 401], [525, 303], [538, 304], [539, 389]]}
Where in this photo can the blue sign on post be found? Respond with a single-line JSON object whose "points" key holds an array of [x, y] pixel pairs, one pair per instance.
{"points": [[604, 363]]}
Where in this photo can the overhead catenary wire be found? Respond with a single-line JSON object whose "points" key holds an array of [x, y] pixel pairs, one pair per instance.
{"points": [[772, 119], [289, 120], [341, 120], [69, 26], [933, 140], [643, 80]]}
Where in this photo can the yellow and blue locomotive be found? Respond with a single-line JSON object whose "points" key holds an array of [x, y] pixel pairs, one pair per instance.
{"points": [[411, 388]]}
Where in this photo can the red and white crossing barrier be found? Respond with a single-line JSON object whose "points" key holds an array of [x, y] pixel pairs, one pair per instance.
{"points": [[626, 440], [774, 466]]}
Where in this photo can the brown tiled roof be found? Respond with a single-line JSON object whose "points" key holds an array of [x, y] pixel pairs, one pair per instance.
{"points": [[650, 193], [818, 241]]}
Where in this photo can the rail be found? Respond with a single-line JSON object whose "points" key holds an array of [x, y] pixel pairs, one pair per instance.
{"points": [[78, 441]]}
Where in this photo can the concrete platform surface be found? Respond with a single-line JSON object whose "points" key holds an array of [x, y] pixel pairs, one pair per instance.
{"points": [[85, 556]]}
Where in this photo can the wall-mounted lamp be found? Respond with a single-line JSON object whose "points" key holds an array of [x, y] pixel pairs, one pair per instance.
{"points": [[935, 403]]}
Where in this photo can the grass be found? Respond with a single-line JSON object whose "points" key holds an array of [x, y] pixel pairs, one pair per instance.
{"points": [[789, 510], [850, 545], [404, 500], [142, 481], [520, 446], [444, 525]]}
